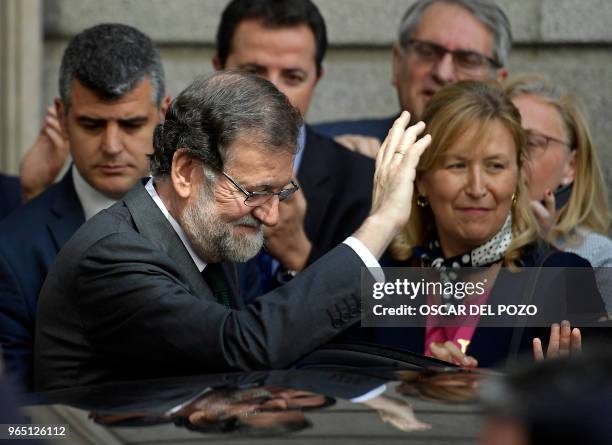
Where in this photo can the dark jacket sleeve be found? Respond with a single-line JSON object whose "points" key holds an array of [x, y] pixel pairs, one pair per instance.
{"points": [[132, 304]]}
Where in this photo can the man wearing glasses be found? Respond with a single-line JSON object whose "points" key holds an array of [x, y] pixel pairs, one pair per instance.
{"points": [[439, 42], [149, 287]]}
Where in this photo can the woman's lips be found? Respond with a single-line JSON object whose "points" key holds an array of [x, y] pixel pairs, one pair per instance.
{"points": [[474, 210]]}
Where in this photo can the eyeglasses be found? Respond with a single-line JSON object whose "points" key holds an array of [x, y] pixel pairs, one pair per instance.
{"points": [[537, 143], [465, 61], [256, 199]]}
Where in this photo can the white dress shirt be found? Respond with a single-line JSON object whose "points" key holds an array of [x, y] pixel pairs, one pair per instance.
{"points": [[91, 200]]}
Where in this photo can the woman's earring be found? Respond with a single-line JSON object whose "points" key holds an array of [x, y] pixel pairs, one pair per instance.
{"points": [[514, 199], [422, 201]]}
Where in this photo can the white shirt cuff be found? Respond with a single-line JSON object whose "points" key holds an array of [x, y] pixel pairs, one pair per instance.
{"points": [[370, 394], [366, 256]]}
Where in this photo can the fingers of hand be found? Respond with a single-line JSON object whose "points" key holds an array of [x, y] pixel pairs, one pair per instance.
{"points": [[56, 138], [381, 153], [549, 201], [459, 356], [394, 137], [414, 155], [544, 213], [541, 213], [553, 341], [406, 145], [440, 352], [538, 353], [409, 136], [565, 338], [449, 352], [53, 122], [576, 341]]}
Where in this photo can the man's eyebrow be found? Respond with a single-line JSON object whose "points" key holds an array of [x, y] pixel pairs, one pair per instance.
{"points": [[130, 120], [265, 186], [90, 120], [244, 66], [296, 70], [134, 120]]}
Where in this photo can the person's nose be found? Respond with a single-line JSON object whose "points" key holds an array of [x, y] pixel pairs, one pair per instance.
{"points": [[274, 78], [267, 213], [112, 143], [476, 183], [444, 70]]}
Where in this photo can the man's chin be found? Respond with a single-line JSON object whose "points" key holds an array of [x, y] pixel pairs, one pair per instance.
{"points": [[247, 246], [115, 188]]}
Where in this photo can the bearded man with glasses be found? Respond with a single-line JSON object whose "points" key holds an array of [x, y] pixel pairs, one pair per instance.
{"points": [[440, 42], [150, 288]]}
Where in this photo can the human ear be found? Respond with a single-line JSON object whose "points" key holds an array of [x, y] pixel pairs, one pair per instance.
{"points": [[184, 173]]}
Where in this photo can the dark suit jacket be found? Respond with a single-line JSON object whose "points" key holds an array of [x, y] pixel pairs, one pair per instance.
{"points": [[10, 195], [133, 306], [337, 185], [569, 284], [377, 128], [30, 238]]}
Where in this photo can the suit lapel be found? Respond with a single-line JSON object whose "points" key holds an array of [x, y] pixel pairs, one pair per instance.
{"points": [[68, 211], [491, 344], [151, 223], [314, 177]]}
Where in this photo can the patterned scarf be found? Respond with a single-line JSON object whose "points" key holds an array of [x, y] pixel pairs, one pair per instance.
{"points": [[485, 255], [482, 256]]}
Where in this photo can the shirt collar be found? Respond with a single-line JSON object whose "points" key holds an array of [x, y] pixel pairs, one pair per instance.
{"points": [[200, 264], [91, 199]]}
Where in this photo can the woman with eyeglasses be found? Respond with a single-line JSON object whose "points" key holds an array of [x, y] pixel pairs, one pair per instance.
{"points": [[566, 186], [471, 210]]}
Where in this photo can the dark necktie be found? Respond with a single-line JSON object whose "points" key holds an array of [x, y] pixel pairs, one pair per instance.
{"points": [[215, 278]]}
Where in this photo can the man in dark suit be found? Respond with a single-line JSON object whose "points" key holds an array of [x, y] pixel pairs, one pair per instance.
{"points": [[147, 288], [111, 97], [285, 43], [439, 42], [9, 194]]}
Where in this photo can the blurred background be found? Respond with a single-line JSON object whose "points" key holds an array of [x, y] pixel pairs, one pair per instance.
{"points": [[568, 40]]}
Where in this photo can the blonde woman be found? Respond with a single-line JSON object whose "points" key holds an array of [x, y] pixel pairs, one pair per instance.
{"points": [[562, 172], [471, 209]]}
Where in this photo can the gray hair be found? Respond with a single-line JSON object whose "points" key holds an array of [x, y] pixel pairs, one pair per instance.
{"points": [[211, 113], [533, 84], [485, 11], [111, 60]]}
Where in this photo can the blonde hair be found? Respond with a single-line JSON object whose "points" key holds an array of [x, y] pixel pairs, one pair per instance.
{"points": [[452, 112], [588, 202]]}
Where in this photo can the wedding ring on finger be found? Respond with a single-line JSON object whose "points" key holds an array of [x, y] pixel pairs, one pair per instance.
{"points": [[400, 153]]}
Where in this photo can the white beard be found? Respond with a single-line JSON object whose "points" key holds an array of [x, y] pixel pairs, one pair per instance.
{"points": [[214, 239]]}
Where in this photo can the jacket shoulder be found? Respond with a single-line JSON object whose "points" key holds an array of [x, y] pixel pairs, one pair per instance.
{"points": [[377, 128]]}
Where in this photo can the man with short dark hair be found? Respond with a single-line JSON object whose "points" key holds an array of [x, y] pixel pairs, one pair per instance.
{"points": [[285, 43], [112, 95], [439, 42], [148, 288]]}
